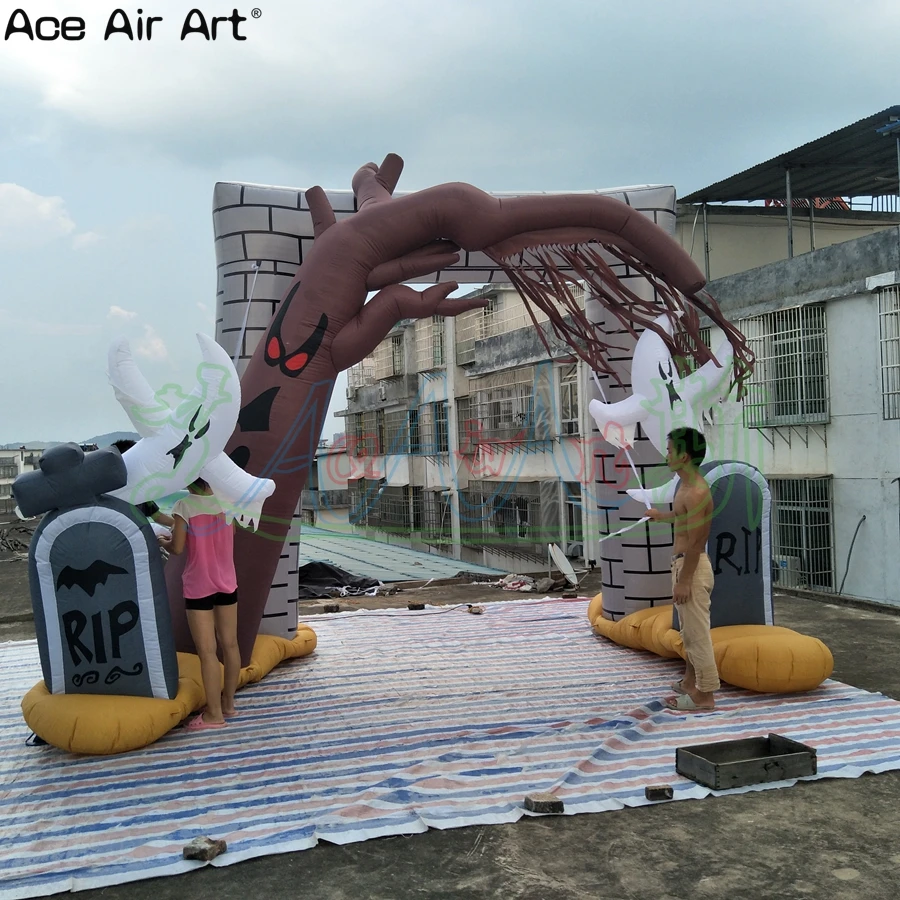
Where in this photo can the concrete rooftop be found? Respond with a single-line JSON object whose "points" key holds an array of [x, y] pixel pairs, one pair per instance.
{"points": [[827, 840]]}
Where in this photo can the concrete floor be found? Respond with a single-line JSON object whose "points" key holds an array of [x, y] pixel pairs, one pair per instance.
{"points": [[826, 840]]}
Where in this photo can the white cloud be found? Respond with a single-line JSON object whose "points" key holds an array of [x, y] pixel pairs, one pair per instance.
{"points": [[177, 94], [29, 220], [85, 239], [151, 345], [120, 315]]}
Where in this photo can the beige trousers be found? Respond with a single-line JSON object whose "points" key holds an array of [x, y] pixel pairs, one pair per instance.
{"points": [[693, 616]]}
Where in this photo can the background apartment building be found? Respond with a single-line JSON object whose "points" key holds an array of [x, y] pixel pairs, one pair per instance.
{"points": [[12, 464], [465, 437]]}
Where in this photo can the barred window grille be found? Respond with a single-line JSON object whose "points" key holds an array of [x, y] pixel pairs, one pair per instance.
{"points": [[467, 425], [426, 429], [396, 432], [437, 529], [389, 357], [574, 520], [430, 343], [365, 434], [392, 510], [362, 374], [397, 354], [356, 443], [789, 385], [501, 408], [503, 515], [359, 501], [568, 399], [415, 444], [802, 533], [889, 338], [441, 428], [8, 471], [433, 428], [417, 499], [379, 432]]}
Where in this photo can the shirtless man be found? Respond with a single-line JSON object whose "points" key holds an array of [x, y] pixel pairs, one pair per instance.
{"points": [[692, 575]]}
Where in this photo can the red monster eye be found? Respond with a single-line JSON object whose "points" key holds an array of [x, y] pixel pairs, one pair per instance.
{"points": [[273, 348], [295, 363]]}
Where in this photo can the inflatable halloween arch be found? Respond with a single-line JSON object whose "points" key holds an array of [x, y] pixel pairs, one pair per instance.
{"points": [[323, 253]]}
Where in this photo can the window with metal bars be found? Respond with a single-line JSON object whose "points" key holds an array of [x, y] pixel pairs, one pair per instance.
{"points": [[802, 533], [500, 409], [415, 444], [397, 354], [568, 399], [789, 385], [379, 431], [417, 503], [574, 522], [365, 433], [391, 510], [361, 493], [437, 529], [502, 515], [441, 428], [437, 340], [396, 432], [889, 338], [389, 357], [467, 425], [432, 427], [429, 335], [473, 326]]}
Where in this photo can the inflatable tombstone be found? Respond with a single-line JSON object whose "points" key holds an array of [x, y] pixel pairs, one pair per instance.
{"points": [[97, 585], [739, 545]]}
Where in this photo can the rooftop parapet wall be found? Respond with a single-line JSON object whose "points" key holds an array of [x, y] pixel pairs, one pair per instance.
{"points": [[837, 271]]}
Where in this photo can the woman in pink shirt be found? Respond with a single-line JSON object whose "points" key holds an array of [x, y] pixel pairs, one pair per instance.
{"points": [[210, 597]]}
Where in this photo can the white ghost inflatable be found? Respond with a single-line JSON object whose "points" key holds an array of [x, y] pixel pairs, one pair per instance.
{"points": [[183, 443], [662, 400]]}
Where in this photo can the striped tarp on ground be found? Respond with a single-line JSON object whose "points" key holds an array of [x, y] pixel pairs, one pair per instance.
{"points": [[401, 721]]}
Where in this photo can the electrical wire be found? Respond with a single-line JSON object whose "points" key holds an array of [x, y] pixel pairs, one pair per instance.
{"points": [[849, 552]]}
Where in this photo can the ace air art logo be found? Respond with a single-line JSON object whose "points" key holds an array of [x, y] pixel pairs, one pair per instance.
{"points": [[122, 25]]}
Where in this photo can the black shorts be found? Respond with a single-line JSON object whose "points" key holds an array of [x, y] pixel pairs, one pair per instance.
{"points": [[212, 600]]}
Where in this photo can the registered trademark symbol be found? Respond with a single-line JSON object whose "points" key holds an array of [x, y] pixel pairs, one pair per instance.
{"points": [[256, 12]]}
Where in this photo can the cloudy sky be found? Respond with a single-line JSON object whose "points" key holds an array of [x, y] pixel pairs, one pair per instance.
{"points": [[109, 150]]}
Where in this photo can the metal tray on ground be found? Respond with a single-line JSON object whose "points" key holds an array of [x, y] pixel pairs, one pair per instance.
{"points": [[732, 764]]}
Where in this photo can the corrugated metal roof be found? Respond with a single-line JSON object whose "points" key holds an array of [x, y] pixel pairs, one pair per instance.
{"points": [[387, 562], [855, 161]]}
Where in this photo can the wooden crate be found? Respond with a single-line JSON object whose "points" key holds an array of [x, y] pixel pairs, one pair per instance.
{"points": [[732, 764]]}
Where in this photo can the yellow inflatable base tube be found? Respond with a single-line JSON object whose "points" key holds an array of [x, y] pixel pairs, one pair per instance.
{"points": [[764, 658], [103, 724]]}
